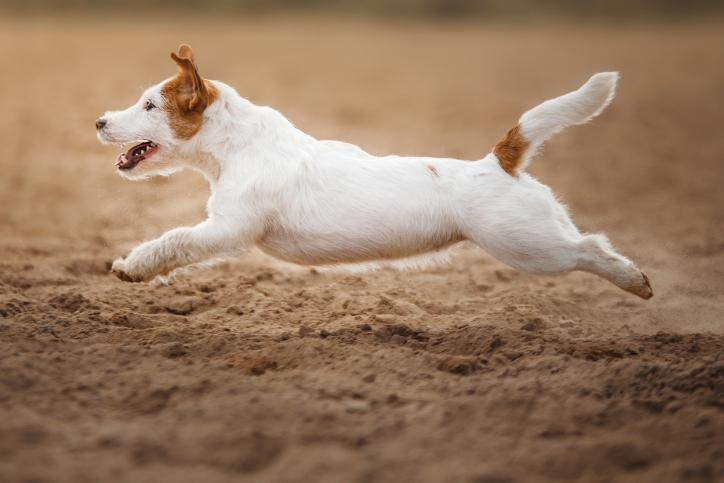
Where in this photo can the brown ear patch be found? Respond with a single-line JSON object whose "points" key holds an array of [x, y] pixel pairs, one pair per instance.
{"points": [[187, 95], [184, 123], [510, 150]]}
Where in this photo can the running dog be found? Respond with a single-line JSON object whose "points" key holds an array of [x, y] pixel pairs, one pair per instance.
{"points": [[319, 203]]}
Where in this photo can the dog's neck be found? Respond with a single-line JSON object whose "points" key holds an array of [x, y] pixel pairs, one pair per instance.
{"points": [[233, 128], [230, 125], [206, 164]]}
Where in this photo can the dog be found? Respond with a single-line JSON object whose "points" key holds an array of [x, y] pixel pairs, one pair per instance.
{"points": [[319, 203]]}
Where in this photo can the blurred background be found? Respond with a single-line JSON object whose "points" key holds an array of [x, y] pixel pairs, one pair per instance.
{"points": [[511, 9]]}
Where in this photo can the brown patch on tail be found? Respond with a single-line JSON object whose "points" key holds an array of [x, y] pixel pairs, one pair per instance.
{"points": [[510, 150], [187, 95]]}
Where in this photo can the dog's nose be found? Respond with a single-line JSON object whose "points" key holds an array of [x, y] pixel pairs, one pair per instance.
{"points": [[100, 123]]}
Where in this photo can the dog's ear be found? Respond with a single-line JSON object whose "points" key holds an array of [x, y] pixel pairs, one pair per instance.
{"points": [[186, 52], [193, 94]]}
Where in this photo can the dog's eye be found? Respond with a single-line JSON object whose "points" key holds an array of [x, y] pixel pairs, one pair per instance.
{"points": [[150, 105]]}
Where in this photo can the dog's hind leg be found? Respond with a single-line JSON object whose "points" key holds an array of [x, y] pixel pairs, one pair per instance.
{"points": [[521, 223], [597, 256], [532, 241]]}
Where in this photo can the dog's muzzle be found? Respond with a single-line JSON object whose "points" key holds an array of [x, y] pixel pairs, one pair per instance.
{"points": [[101, 123]]}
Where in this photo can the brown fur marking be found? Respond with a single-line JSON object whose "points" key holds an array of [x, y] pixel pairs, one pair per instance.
{"points": [[434, 171], [510, 150], [187, 95]]}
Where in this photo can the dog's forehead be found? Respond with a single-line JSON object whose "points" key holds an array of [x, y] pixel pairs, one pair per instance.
{"points": [[153, 91]]}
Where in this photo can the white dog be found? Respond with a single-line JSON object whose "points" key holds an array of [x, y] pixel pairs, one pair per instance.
{"points": [[327, 202]]}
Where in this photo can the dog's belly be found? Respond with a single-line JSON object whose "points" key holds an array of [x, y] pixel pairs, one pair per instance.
{"points": [[383, 209], [338, 248]]}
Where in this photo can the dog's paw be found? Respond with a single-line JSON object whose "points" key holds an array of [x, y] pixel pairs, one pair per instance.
{"points": [[118, 269], [643, 289]]}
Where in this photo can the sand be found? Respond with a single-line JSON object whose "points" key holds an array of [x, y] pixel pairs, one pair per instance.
{"points": [[256, 370]]}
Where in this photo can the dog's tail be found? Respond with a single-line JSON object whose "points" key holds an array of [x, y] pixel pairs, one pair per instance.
{"points": [[521, 143]]}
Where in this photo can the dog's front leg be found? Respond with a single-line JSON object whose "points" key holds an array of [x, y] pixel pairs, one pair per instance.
{"points": [[178, 248]]}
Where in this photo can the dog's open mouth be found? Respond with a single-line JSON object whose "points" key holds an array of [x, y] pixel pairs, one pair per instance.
{"points": [[136, 154]]}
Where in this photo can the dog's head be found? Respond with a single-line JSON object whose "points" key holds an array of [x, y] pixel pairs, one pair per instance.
{"points": [[161, 123]]}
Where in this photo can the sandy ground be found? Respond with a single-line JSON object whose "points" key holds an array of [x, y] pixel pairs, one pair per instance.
{"points": [[255, 370]]}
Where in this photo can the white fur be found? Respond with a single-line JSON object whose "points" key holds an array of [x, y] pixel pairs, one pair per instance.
{"points": [[318, 203]]}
